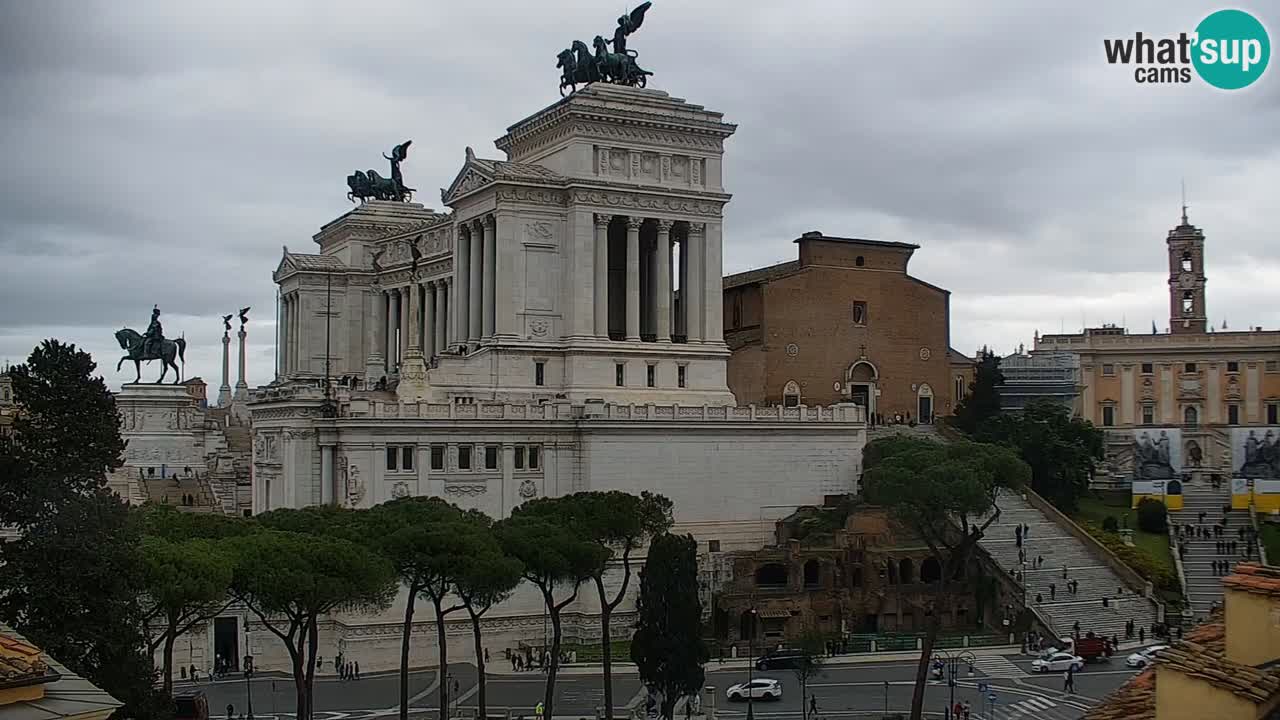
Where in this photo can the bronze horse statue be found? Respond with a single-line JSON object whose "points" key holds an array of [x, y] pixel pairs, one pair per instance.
{"points": [[132, 343]]}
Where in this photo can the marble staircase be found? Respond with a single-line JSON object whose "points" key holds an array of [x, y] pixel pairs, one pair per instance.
{"points": [[171, 491], [1204, 586], [1059, 548]]}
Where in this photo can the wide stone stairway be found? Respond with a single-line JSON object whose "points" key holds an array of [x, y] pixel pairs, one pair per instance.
{"points": [[1204, 586], [171, 491], [1059, 549]]}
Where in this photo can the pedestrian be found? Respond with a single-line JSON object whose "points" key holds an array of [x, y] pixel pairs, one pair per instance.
{"points": [[1240, 532], [1017, 537], [688, 710], [813, 704], [357, 669], [1075, 628], [1106, 601], [1053, 591], [1039, 598], [1201, 516], [1026, 530], [538, 709], [1069, 686], [957, 710], [1142, 634], [1039, 561], [231, 711], [319, 663], [1064, 571], [193, 672], [967, 710], [486, 656]]}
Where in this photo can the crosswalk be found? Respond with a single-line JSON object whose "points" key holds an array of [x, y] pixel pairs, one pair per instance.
{"points": [[998, 666], [1031, 707]]}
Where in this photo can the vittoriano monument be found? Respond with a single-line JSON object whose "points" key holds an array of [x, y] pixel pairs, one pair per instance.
{"points": [[151, 345], [369, 185], [579, 67]]}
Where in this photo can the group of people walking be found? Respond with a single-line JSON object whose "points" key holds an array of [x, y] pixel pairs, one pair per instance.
{"points": [[347, 669]]}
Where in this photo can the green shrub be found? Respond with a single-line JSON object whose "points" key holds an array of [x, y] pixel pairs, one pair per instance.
{"points": [[1153, 516], [1110, 524]]}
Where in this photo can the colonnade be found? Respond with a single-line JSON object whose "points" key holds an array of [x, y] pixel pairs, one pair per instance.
{"points": [[413, 317], [636, 279]]}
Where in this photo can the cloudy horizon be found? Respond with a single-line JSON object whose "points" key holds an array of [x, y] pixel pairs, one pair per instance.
{"points": [[163, 154]]}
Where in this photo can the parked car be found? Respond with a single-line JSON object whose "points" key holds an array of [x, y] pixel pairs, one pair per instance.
{"points": [[784, 659], [1058, 662], [758, 689], [1144, 657]]}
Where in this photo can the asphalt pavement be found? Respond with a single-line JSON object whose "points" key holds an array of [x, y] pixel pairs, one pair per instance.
{"points": [[859, 690]]}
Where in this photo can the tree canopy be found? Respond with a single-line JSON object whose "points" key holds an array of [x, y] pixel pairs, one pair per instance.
{"points": [[667, 646], [983, 398], [1061, 450]]}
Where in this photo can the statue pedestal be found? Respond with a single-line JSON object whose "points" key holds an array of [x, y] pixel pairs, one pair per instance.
{"points": [[413, 377], [164, 427]]}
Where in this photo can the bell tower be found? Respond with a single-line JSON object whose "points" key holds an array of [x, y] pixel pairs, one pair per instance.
{"points": [[1187, 313]]}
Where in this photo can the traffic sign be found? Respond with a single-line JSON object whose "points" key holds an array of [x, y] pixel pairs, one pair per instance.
{"points": [[982, 687], [992, 697]]}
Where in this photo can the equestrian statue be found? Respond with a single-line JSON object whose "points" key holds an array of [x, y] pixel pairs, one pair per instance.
{"points": [[579, 67], [152, 345], [369, 185]]}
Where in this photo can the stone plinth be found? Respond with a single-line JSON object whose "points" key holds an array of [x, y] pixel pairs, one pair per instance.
{"points": [[157, 422]]}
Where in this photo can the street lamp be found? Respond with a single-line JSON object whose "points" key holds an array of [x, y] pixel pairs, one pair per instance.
{"points": [[951, 663], [751, 665], [445, 687], [886, 698], [248, 685]]}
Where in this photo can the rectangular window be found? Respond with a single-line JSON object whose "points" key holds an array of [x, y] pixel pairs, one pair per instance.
{"points": [[393, 454], [713, 546], [1272, 366], [1233, 366], [650, 373], [490, 457], [1108, 369], [680, 376], [406, 458], [519, 458], [464, 457], [1273, 413], [1108, 415], [534, 452], [619, 374], [1233, 414], [539, 369], [1148, 368], [1148, 415], [437, 457], [1189, 367], [859, 312]]}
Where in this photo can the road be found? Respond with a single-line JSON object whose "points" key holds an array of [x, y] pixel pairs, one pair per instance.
{"points": [[843, 691]]}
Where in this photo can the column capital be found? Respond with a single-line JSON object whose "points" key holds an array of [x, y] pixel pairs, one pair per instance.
{"points": [[462, 228], [697, 228], [602, 221], [477, 224], [664, 225], [634, 223], [490, 222]]}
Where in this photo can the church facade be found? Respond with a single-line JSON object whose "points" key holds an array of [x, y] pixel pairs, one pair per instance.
{"points": [[558, 329]]}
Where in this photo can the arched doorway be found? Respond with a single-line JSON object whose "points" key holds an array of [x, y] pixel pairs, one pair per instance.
{"points": [[924, 404], [811, 574], [747, 625], [791, 394], [1191, 416], [861, 379]]}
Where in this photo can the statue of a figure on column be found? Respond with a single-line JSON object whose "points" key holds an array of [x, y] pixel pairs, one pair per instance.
{"points": [[244, 317]]}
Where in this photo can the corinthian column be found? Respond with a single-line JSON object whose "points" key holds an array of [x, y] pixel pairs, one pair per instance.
{"points": [[490, 274], [224, 391], [461, 285], [429, 320], [633, 277], [695, 293], [442, 323], [242, 388], [662, 283], [374, 364], [601, 281], [475, 299]]}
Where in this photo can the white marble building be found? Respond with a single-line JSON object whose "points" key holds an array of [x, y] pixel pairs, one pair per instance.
{"points": [[559, 330]]}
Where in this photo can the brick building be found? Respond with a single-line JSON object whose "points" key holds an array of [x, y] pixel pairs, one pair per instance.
{"points": [[843, 323]]}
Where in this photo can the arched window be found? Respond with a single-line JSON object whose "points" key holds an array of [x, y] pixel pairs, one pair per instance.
{"points": [[1188, 302], [771, 575], [906, 571], [859, 261], [791, 394], [1191, 416], [1186, 261], [811, 574], [930, 570]]}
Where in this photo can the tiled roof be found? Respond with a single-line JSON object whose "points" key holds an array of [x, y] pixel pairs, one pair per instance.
{"points": [[20, 661], [761, 274], [1254, 578], [66, 695], [303, 261]]}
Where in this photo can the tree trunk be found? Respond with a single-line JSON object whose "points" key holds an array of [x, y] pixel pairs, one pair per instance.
{"points": [[922, 668], [404, 652], [606, 647], [554, 665], [303, 711], [804, 694], [475, 636], [313, 644], [444, 659], [169, 633]]}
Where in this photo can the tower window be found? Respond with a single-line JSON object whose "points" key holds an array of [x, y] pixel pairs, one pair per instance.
{"points": [[860, 313], [680, 376], [1148, 368], [649, 379], [1233, 366], [1188, 302], [539, 373], [1186, 261], [859, 261], [619, 371], [1189, 367]]}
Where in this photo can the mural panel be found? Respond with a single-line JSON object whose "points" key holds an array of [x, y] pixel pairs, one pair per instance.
{"points": [[1157, 454], [1255, 453]]}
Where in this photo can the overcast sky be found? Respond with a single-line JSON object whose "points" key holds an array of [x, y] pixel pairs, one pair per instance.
{"points": [[162, 153]]}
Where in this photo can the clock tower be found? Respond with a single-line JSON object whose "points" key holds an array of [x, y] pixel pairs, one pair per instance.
{"points": [[1187, 314]]}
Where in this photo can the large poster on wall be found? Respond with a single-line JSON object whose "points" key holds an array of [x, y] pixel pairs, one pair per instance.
{"points": [[1157, 454], [1255, 453]]}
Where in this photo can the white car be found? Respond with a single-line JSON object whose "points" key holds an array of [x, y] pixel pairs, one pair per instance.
{"points": [[758, 689], [1144, 657], [1058, 662]]}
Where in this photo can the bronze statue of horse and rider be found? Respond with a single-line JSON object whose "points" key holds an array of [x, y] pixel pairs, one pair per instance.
{"points": [[579, 67], [369, 185], [151, 346]]}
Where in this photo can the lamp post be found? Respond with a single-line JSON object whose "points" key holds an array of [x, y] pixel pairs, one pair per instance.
{"points": [[248, 685], [751, 666], [951, 663], [886, 698]]}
